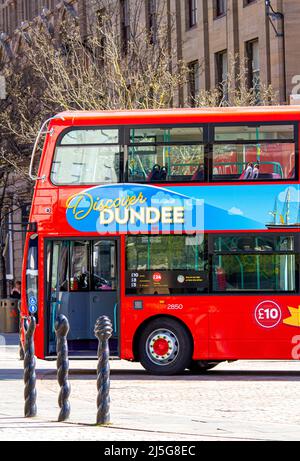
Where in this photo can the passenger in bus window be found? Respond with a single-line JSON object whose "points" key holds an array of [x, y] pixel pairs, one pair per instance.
{"points": [[163, 173], [199, 173], [248, 172], [255, 173], [16, 291], [154, 174]]}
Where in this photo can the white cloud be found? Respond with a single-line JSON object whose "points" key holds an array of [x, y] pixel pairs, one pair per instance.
{"points": [[294, 195], [235, 211]]}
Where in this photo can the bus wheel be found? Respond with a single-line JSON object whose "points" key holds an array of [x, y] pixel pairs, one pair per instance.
{"points": [[165, 347], [201, 366]]}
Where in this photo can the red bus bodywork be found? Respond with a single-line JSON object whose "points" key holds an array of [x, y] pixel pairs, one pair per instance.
{"points": [[222, 327]]}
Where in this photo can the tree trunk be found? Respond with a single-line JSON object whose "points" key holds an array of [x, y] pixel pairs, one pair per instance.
{"points": [[3, 282]]}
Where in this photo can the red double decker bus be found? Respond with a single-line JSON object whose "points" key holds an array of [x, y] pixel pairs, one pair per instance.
{"points": [[181, 225]]}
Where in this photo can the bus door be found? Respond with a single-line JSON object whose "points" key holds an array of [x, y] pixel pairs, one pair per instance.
{"points": [[82, 282]]}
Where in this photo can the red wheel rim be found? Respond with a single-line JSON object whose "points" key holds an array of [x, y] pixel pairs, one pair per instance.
{"points": [[161, 347]]}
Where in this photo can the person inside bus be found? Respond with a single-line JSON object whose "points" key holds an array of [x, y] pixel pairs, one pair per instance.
{"points": [[248, 172], [154, 175], [255, 173], [221, 281], [199, 173], [163, 173], [16, 291]]}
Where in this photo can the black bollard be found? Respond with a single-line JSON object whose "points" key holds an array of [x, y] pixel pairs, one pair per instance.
{"points": [[30, 409], [103, 331], [61, 329]]}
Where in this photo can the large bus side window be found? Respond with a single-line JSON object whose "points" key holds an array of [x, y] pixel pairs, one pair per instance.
{"points": [[254, 264], [262, 152], [32, 276], [166, 265], [160, 154]]}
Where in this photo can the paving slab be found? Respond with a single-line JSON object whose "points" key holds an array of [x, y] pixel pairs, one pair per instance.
{"points": [[248, 400]]}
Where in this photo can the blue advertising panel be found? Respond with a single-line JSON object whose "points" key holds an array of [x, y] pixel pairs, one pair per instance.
{"points": [[136, 208], [132, 208]]}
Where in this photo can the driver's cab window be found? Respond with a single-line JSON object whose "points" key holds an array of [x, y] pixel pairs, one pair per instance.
{"points": [[80, 274], [104, 266]]}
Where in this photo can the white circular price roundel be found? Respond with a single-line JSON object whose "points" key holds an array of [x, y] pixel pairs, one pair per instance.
{"points": [[268, 314]]}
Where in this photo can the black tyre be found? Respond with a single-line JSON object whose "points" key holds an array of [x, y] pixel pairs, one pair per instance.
{"points": [[165, 347], [201, 366]]}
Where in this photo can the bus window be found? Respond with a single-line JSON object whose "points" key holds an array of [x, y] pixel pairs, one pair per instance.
{"points": [[90, 156], [166, 154], [254, 153], [244, 263], [91, 136], [79, 276], [104, 266], [166, 264]]}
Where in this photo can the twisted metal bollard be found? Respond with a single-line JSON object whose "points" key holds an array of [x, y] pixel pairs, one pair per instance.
{"points": [[103, 331], [61, 329], [30, 409]]}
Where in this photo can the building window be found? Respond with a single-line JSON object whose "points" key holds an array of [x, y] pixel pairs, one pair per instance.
{"points": [[191, 13], [151, 20], [221, 74], [220, 7], [125, 25], [193, 82], [253, 67]]}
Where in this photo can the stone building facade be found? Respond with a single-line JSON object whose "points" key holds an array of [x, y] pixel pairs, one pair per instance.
{"points": [[207, 33]]}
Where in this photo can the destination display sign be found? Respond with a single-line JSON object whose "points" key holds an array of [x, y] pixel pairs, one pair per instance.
{"points": [[165, 282]]}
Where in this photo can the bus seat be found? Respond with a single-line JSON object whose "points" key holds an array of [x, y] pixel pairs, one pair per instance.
{"points": [[276, 176], [163, 173], [256, 172], [273, 176], [247, 173]]}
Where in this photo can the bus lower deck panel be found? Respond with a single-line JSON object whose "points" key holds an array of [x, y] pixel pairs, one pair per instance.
{"points": [[225, 328]]}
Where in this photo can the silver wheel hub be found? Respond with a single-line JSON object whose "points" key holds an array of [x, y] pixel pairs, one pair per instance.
{"points": [[162, 347]]}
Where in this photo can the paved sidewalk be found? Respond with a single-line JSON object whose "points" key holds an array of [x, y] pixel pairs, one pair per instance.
{"points": [[237, 401]]}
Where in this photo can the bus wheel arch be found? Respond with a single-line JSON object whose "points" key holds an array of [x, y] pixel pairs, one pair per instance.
{"points": [[165, 329]]}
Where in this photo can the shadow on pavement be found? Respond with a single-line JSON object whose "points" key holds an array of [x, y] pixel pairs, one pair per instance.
{"points": [[9, 339], [141, 375]]}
